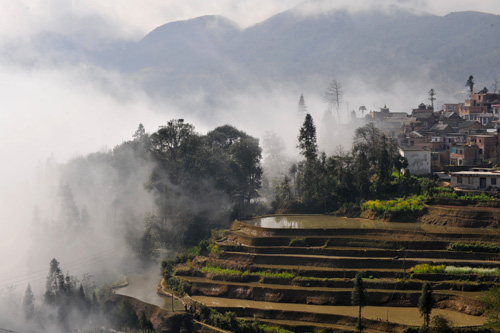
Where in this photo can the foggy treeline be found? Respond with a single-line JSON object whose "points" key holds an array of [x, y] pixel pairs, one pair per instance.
{"points": [[70, 304], [145, 198], [163, 190]]}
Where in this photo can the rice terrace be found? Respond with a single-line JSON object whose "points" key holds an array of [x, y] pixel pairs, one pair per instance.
{"points": [[297, 272]]}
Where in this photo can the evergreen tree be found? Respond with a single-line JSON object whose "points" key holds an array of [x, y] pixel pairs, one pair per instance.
{"points": [[362, 175], [68, 214], [140, 133], [470, 84], [384, 162], [301, 108], [426, 303], [358, 298], [432, 93], [307, 139], [284, 195], [52, 284], [29, 303]]}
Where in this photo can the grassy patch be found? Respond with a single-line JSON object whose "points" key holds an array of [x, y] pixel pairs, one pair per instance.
{"points": [[474, 247], [235, 272], [299, 242], [312, 278]]}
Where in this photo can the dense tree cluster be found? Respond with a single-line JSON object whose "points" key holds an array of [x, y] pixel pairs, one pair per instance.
{"points": [[200, 181], [197, 182], [320, 183]]}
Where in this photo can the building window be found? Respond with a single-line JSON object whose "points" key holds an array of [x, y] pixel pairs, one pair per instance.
{"points": [[493, 181], [459, 180], [469, 180]]}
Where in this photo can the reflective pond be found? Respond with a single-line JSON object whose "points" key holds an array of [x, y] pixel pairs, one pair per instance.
{"points": [[334, 222]]}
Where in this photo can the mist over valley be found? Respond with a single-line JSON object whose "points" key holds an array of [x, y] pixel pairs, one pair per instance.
{"points": [[128, 133]]}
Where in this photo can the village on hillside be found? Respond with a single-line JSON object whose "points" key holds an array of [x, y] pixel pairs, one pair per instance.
{"points": [[458, 143]]}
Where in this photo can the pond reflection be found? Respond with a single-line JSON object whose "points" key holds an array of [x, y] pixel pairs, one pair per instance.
{"points": [[334, 222]]}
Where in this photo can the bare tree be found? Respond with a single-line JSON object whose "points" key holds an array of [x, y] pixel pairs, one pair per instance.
{"points": [[495, 87], [333, 97]]}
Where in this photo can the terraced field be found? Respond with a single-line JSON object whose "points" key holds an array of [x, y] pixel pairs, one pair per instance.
{"points": [[297, 272]]}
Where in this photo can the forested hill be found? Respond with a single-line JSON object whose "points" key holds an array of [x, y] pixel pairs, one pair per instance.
{"points": [[383, 45]]}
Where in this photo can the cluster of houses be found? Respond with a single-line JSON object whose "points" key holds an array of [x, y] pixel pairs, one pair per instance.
{"points": [[462, 135]]}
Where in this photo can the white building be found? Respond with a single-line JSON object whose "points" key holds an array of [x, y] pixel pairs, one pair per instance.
{"points": [[476, 179], [419, 160]]}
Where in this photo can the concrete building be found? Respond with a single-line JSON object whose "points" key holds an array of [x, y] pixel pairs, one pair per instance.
{"points": [[464, 155], [486, 179], [419, 160], [486, 144]]}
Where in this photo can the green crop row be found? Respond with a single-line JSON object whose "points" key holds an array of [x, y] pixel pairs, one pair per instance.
{"points": [[465, 197], [235, 272], [474, 247]]}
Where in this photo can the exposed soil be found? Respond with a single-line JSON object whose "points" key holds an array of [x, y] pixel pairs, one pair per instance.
{"points": [[339, 314], [465, 217]]}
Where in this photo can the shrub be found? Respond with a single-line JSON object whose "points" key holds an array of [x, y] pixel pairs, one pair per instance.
{"points": [[443, 269], [228, 321], [474, 247], [178, 285], [399, 205], [469, 198], [426, 268]]}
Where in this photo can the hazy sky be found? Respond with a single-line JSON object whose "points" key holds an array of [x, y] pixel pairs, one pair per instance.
{"points": [[132, 19]]}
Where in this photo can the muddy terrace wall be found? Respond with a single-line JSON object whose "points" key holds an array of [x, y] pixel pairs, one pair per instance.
{"points": [[336, 297], [465, 217], [315, 317], [410, 253], [333, 262]]}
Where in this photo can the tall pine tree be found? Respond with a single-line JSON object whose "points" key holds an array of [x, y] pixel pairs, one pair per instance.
{"points": [[358, 298], [29, 303], [426, 303], [307, 139]]}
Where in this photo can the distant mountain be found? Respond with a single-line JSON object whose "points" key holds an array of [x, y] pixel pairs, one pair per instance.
{"points": [[213, 54]]}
